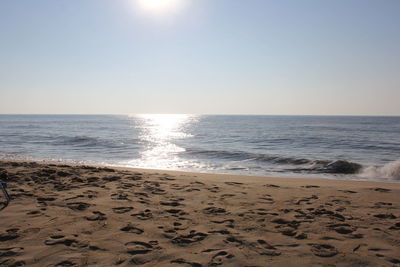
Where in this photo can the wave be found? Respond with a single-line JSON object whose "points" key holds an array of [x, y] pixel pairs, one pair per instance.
{"points": [[80, 141], [246, 156], [387, 171], [333, 166], [390, 171], [87, 142]]}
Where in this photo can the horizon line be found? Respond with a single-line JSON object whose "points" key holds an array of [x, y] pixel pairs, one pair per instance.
{"points": [[203, 114]]}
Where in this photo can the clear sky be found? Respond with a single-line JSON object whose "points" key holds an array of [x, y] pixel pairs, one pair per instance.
{"points": [[328, 57]]}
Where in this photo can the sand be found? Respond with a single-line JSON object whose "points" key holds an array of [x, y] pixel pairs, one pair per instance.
{"points": [[71, 215]]}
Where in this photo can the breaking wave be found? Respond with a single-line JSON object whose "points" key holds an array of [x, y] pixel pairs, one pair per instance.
{"points": [[298, 165], [389, 171], [331, 167]]}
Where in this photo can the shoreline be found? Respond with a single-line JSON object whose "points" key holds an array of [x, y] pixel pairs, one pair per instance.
{"points": [[312, 177], [81, 215]]}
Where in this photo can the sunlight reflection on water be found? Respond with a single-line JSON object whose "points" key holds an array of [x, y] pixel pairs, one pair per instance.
{"points": [[158, 133]]}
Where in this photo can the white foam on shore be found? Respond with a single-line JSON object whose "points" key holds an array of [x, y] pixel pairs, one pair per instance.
{"points": [[390, 171]]}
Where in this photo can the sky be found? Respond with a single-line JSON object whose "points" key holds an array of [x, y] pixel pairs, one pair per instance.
{"points": [[290, 57]]}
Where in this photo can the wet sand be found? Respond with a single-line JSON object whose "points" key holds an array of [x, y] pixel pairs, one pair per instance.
{"points": [[72, 215]]}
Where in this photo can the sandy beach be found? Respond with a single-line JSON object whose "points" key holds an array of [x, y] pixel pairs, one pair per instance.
{"points": [[72, 215]]}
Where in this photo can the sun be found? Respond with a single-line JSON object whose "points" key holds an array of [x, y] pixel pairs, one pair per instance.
{"points": [[160, 6]]}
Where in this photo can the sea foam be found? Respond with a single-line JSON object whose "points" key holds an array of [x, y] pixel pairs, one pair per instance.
{"points": [[389, 171]]}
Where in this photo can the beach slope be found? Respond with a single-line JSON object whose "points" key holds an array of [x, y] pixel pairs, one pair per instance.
{"points": [[72, 215]]}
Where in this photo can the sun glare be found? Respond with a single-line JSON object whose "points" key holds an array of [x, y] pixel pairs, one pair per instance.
{"points": [[160, 6], [160, 134]]}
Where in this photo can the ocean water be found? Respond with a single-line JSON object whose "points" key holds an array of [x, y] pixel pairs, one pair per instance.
{"points": [[339, 147]]}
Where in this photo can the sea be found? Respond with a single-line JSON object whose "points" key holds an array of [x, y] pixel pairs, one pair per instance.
{"points": [[333, 147]]}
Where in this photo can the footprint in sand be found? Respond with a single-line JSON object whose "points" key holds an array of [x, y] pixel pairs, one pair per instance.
{"points": [[192, 237], [214, 189], [178, 186], [121, 210], [90, 193], [192, 189], [155, 190], [262, 247], [323, 250], [306, 200], [63, 174], [358, 247], [12, 262], [135, 178], [119, 196], [233, 183], [176, 212], [111, 178], [144, 215], [65, 263], [214, 210], [222, 232], [183, 261], [311, 186], [379, 205], [43, 199], [171, 203], [293, 224], [219, 258], [10, 235], [93, 179], [10, 252], [385, 216], [227, 222], [343, 228], [233, 240], [167, 179], [332, 214], [141, 194], [78, 206], [77, 180], [97, 216], [198, 183], [348, 191], [272, 186], [61, 240], [288, 231], [260, 211], [138, 247], [132, 229], [393, 260], [396, 226], [379, 189], [34, 212], [127, 186], [223, 196], [267, 198]]}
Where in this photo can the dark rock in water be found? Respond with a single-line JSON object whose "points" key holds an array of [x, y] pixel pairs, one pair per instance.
{"points": [[342, 166]]}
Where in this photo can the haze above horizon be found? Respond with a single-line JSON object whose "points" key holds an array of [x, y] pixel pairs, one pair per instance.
{"points": [[200, 57]]}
